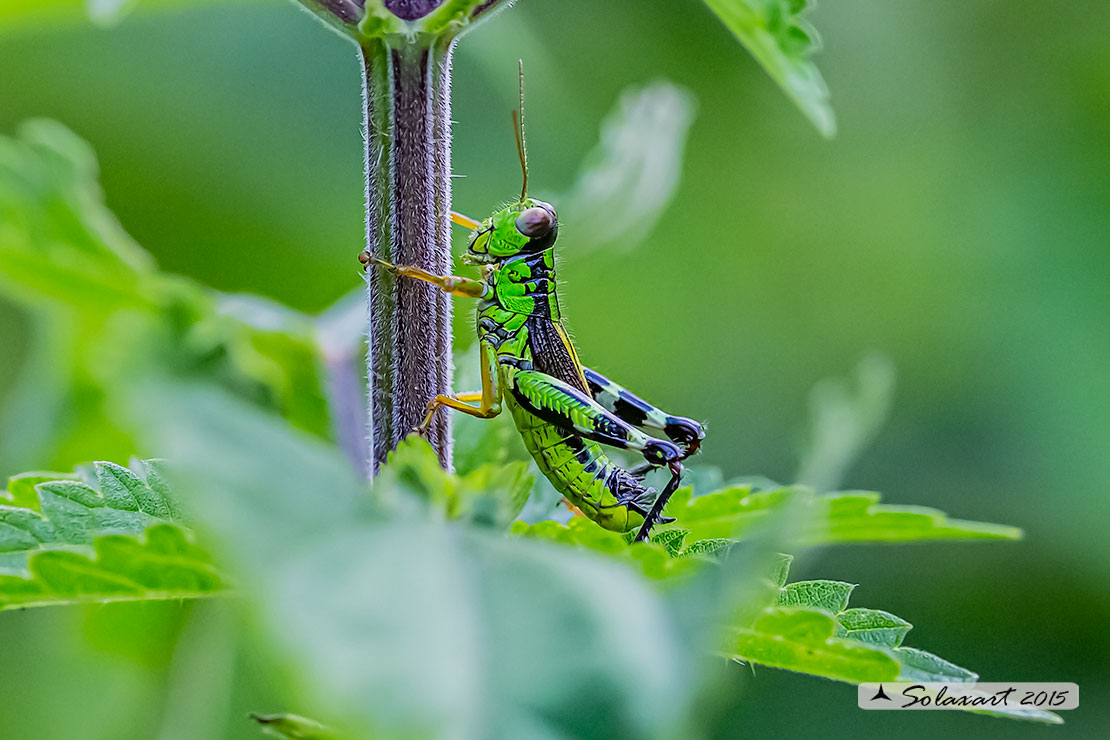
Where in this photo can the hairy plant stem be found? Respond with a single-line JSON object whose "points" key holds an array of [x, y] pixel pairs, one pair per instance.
{"points": [[407, 103]]}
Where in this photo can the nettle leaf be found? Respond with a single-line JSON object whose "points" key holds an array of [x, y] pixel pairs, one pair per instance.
{"points": [[799, 639], [918, 665], [829, 595], [491, 495], [823, 519], [774, 32], [812, 630], [667, 555], [871, 626], [671, 540], [48, 511], [162, 564], [104, 534], [653, 558], [408, 626]]}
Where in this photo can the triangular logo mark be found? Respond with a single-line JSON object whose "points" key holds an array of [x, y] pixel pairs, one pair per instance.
{"points": [[881, 694]]}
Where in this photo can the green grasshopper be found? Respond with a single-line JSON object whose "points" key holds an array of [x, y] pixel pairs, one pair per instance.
{"points": [[563, 411]]}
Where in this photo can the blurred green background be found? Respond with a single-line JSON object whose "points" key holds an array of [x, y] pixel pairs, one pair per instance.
{"points": [[959, 223]]}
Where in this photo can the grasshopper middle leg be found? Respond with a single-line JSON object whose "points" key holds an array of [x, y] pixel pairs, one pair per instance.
{"points": [[489, 398]]}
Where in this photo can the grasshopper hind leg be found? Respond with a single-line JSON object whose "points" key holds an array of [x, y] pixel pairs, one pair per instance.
{"points": [[655, 514], [631, 494]]}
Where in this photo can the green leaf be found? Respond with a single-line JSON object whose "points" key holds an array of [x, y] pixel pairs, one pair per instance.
{"points": [[775, 34], [492, 495], [671, 540], [708, 548], [21, 491], [48, 512], [653, 557], [857, 516], [163, 564], [918, 665], [782, 569], [799, 639], [828, 595], [822, 519], [872, 626], [104, 534], [811, 629]]}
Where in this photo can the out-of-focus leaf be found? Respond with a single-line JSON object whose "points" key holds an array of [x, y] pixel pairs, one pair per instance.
{"points": [[410, 626], [37, 400], [108, 315], [57, 238], [782, 42], [844, 421], [630, 177], [109, 11], [101, 12], [295, 727], [822, 519], [202, 676]]}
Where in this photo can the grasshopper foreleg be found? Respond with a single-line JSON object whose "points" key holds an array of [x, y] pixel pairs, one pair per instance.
{"points": [[452, 284]]}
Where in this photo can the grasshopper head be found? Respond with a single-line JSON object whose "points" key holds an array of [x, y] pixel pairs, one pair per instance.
{"points": [[526, 227]]}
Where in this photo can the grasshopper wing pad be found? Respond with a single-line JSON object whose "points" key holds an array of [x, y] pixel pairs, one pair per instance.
{"points": [[553, 353]]}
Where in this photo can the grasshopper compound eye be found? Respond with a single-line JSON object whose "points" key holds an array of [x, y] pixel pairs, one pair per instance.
{"points": [[535, 222]]}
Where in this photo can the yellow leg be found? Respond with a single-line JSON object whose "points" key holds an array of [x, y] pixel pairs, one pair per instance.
{"points": [[452, 284], [489, 398], [466, 221], [571, 507]]}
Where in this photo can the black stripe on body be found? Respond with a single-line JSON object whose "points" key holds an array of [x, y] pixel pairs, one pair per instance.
{"points": [[490, 326], [549, 354], [607, 481], [630, 408], [605, 429]]}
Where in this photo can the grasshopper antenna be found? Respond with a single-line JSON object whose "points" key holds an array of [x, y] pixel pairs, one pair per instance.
{"points": [[518, 129]]}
